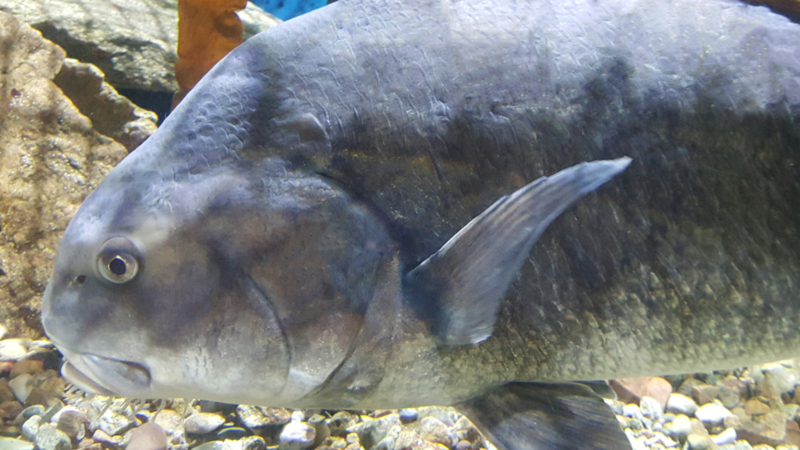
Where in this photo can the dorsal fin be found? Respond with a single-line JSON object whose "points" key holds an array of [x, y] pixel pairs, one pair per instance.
{"points": [[459, 288]]}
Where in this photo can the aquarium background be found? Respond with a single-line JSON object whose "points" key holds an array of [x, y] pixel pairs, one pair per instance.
{"points": [[76, 96]]}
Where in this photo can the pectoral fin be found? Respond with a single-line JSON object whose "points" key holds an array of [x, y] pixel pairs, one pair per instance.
{"points": [[542, 416], [459, 288]]}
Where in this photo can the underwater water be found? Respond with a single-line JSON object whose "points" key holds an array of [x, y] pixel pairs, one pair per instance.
{"points": [[286, 9], [400, 225]]}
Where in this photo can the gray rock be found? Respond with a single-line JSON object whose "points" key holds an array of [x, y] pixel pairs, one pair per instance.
{"points": [[30, 427], [447, 415], [410, 439], [133, 41], [172, 423], [634, 415], [51, 159], [21, 386], [699, 442], [51, 411], [113, 423], [213, 445], [101, 437], [408, 415], [433, 430], [779, 378], [14, 444], [12, 350], [72, 423], [202, 423], [681, 404], [48, 437], [651, 408], [253, 443], [388, 441], [742, 445], [712, 414], [296, 435], [678, 428], [27, 413], [149, 436], [726, 437], [251, 416], [321, 429], [231, 433]]}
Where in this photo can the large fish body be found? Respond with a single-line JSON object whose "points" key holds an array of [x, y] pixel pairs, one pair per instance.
{"points": [[285, 237]]}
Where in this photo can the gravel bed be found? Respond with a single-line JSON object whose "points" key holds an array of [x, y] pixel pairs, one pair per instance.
{"points": [[744, 409]]}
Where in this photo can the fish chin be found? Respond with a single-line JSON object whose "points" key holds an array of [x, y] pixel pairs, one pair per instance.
{"points": [[105, 376]]}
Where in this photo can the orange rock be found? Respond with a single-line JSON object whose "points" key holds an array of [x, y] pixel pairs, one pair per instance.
{"points": [[207, 31], [631, 390]]}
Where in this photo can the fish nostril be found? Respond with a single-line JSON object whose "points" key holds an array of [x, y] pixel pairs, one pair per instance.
{"points": [[80, 279]]}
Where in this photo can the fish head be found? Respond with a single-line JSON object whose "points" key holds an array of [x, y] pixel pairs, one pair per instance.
{"points": [[243, 283]]}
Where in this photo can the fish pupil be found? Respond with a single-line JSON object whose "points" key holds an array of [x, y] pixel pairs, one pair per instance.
{"points": [[117, 266]]}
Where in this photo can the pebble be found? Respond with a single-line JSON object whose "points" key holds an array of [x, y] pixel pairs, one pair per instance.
{"points": [[26, 366], [705, 393], [434, 430], [296, 435], [726, 437], [321, 429], [698, 442], [339, 423], [14, 444], [149, 436], [681, 404], [779, 378], [21, 386], [48, 437], [679, 427], [408, 415], [251, 417], [30, 427], [10, 409], [712, 414], [27, 413], [112, 422], [5, 392], [253, 443], [231, 433], [203, 423], [13, 349], [72, 423], [651, 408]]}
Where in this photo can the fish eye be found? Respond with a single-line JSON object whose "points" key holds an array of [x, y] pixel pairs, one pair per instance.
{"points": [[118, 261]]}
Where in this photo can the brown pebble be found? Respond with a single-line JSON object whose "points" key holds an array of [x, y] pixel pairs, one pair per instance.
{"points": [[39, 396], [86, 442], [26, 366], [149, 436], [631, 390], [704, 393], [5, 392], [755, 407], [10, 409], [380, 413], [10, 431], [5, 367]]}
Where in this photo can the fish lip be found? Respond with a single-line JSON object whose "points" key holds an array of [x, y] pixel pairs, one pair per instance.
{"points": [[105, 376]]}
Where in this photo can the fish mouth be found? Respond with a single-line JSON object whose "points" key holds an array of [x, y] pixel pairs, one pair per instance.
{"points": [[106, 376]]}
